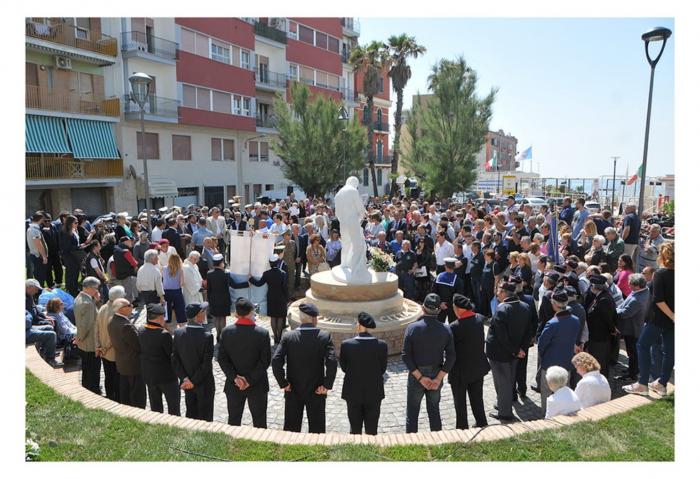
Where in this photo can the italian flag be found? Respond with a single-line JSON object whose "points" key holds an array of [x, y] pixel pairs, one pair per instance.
{"points": [[491, 164], [635, 177]]}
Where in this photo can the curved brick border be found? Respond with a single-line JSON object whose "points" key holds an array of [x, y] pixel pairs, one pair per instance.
{"points": [[68, 384]]}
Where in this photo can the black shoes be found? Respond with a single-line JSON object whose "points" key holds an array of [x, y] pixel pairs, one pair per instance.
{"points": [[495, 415], [535, 388]]}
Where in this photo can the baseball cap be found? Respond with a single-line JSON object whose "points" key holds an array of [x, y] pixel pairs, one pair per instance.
{"points": [[192, 310]]}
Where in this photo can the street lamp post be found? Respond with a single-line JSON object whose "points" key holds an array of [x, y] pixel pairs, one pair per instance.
{"points": [[343, 116], [140, 86], [655, 35], [612, 203]]}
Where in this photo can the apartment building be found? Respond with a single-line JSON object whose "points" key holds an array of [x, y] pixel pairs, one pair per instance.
{"points": [[209, 117]]}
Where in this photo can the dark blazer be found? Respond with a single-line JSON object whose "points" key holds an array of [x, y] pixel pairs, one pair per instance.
{"points": [[244, 350], [310, 358], [193, 351], [241, 226], [120, 231], [218, 283], [395, 226], [601, 316], [173, 237], [127, 349], [471, 364], [509, 331], [534, 320], [156, 355], [276, 281], [363, 359], [68, 243]]}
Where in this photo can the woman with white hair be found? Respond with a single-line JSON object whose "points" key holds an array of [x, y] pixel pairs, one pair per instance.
{"points": [[193, 279], [563, 400], [103, 343]]}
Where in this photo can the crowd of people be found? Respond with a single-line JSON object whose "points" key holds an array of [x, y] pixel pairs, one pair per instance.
{"points": [[575, 284]]}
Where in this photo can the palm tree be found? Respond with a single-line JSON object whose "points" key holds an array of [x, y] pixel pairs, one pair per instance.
{"points": [[399, 49], [369, 59]]}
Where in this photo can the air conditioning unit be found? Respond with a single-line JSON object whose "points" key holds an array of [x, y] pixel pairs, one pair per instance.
{"points": [[64, 63]]}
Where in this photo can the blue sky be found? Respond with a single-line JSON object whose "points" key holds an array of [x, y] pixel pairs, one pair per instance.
{"points": [[574, 89]]}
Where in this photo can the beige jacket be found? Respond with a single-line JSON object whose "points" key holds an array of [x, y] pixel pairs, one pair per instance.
{"points": [[102, 340], [85, 311]]}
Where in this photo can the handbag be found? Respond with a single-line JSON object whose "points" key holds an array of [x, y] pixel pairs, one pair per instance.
{"points": [[421, 272]]}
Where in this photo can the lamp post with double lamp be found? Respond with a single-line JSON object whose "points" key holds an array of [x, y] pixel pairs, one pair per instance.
{"points": [[140, 86], [658, 34], [343, 116]]}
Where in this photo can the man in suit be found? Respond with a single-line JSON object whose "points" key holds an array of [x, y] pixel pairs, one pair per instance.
{"points": [[601, 316], [218, 296], [85, 311], [471, 365], [238, 223], [630, 316], [217, 225], [311, 369], [193, 351], [520, 386], [127, 349], [296, 239], [156, 361], [363, 359], [508, 338], [276, 281], [244, 356], [173, 236]]}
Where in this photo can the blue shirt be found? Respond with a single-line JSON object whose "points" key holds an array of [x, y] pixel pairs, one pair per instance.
{"points": [[395, 246], [556, 343], [580, 218], [199, 235], [428, 342], [567, 214], [632, 220]]}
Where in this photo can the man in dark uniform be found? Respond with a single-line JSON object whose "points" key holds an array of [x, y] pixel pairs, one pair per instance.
{"points": [[520, 386], [461, 270], [173, 236], [311, 369], [476, 270], [446, 285], [244, 356], [127, 349], [405, 266], [218, 296], [508, 338], [276, 280], [363, 359], [601, 316], [471, 365], [193, 351], [156, 361]]}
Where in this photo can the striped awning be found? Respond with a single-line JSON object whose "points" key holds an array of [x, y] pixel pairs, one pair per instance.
{"points": [[160, 186], [91, 139], [45, 134]]}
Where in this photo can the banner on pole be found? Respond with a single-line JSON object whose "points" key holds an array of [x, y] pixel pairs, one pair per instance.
{"points": [[250, 256]]}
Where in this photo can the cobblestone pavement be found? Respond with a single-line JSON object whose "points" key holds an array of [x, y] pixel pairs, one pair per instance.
{"points": [[393, 412]]}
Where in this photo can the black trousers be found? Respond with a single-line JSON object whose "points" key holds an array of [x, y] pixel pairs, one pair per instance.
{"points": [[297, 274], [40, 270], [476, 400], [72, 272], [54, 275], [614, 350], [199, 402], [90, 366], [171, 391], [364, 413], [278, 324], [631, 347], [257, 404], [601, 351], [315, 405], [520, 385], [132, 391], [111, 379]]}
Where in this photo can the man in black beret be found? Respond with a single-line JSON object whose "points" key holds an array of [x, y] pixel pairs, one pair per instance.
{"points": [[507, 339], [156, 361], [363, 359], [244, 356], [471, 365], [311, 369], [601, 316]]}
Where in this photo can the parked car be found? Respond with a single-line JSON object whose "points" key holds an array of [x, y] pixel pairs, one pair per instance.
{"points": [[536, 203], [592, 206]]}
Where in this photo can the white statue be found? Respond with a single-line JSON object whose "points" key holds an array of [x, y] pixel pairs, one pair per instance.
{"points": [[353, 255]]}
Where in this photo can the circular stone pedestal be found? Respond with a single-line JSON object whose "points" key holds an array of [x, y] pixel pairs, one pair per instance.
{"points": [[340, 303]]}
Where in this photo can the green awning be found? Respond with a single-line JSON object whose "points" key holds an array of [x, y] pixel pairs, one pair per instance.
{"points": [[91, 139], [45, 134]]}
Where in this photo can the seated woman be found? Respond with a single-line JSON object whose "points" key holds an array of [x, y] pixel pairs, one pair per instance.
{"points": [[65, 330], [563, 400], [593, 388]]}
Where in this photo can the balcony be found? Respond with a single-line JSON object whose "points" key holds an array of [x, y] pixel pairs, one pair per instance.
{"points": [[348, 94], [351, 26], [57, 168], [156, 108], [79, 41], [265, 122], [41, 98], [148, 46], [384, 160], [272, 33], [345, 56], [265, 79], [378, 125]]}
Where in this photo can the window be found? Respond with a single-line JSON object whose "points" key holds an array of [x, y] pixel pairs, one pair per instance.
{"points": [[381, 84], [216, 149], [307, 75], [182, 147], [229, 150], [333, 82], [220, 52], [203, 99], [379, 119], [187, 41], [82, 27], [230, 191], [152, 150], [292, 30], [269, 187], [222, 149], [202, 45], [236, 104], [247, 192], [306, 35], [253, 151], [221, 102], [293, 71], [214, 195], [257, 190], [380, 180], [246, 106], [245, 59], [264, 153], [321, 40], [321, 79], [189, 96], [333, 44], [365, 177], [380, 150]]}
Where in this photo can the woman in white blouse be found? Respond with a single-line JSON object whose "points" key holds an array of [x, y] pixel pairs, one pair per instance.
{"points": [[593, 388], [563, 400], [193, 279]]}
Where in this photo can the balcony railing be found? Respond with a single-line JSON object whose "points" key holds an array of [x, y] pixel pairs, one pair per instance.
{"points": [[352, 24], [154, 106], [270, 32], [344, 56], [56, 168], [378, 125], [271, 79], [87, 104], [265, 122], [140, 42], [73, 36], [384, 160]]}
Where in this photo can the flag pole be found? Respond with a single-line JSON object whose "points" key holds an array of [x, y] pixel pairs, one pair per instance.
{"points": [[624, 185]]}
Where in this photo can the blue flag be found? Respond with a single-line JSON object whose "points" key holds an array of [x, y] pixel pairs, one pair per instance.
{"points": [[527, 154]]}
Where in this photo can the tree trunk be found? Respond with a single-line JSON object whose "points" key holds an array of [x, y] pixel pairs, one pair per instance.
{"points": [[397, 138], [370, 138]]}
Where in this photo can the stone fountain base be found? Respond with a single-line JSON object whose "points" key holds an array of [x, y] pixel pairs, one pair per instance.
{"points": [[340, 303]]}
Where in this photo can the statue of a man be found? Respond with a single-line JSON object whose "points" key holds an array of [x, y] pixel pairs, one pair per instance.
{"points": [[353, 255]]}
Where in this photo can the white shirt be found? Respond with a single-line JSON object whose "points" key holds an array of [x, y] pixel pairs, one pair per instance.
{"points": [[278, 229], [294, 211], [442, 252], [149, 278], [563, 401], [156, 235], [164, 257], [593, 389]]}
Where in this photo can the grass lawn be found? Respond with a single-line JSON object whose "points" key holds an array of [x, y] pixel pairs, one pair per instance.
{"points": [[67, 431]]}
